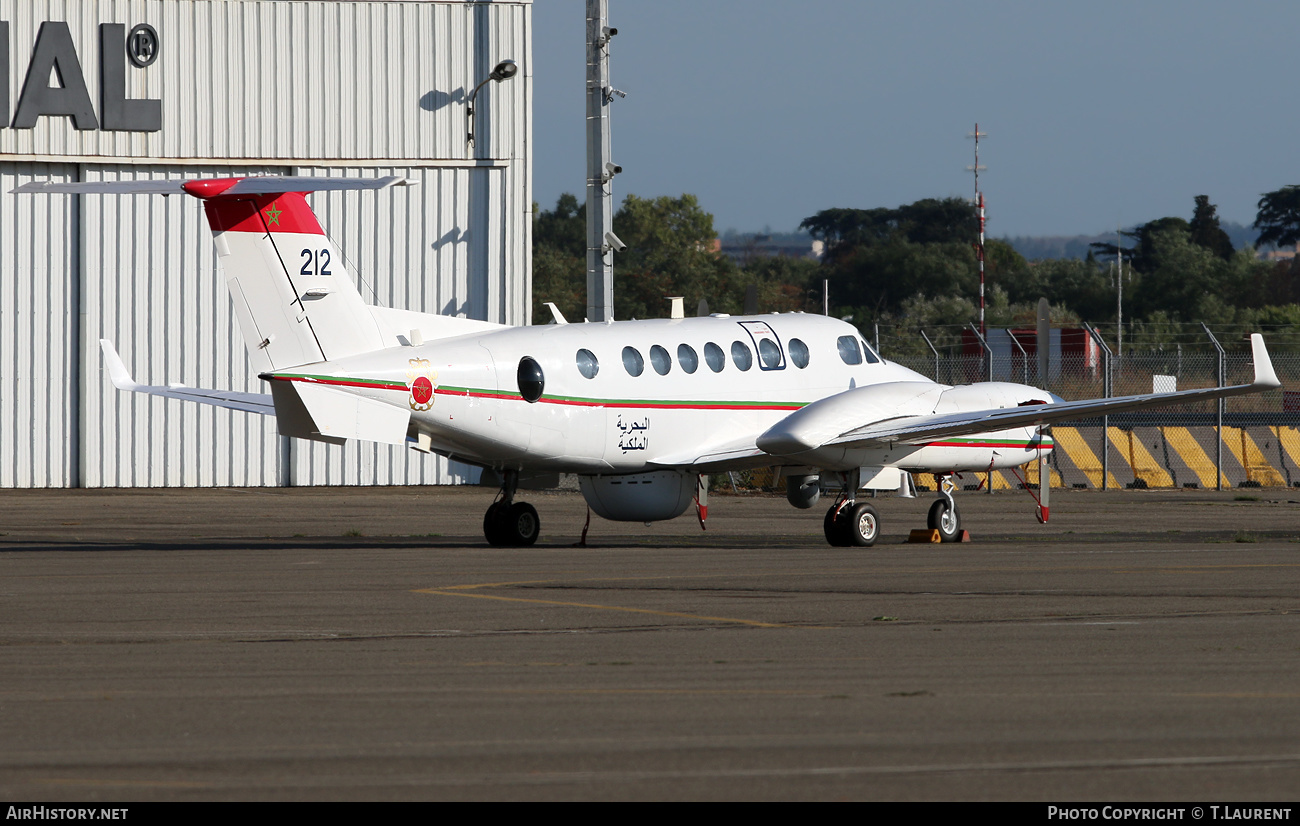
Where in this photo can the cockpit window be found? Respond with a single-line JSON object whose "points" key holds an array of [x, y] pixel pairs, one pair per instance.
{"points": [[632, 361], [714, 358], [741, 355], [588, 366], [660, 360], [872, 358], [849, 351]]}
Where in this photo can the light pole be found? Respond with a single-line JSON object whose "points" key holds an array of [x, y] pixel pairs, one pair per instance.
{"points": [[504, 70]]}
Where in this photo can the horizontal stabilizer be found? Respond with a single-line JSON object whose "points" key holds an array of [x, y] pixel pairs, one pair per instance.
{"points": [[121, 378], [211, 187], [341, 415]]}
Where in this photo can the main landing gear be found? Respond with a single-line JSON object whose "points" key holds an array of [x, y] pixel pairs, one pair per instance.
{"points": [[510, 523], [849, 522]]}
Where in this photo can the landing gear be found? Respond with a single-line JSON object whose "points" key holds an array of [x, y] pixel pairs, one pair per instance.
{"points": [[944, 516], [849, 523], [510, 523]]}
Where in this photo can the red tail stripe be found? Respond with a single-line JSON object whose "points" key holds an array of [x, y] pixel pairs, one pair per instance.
{"points": [[283, 212]]}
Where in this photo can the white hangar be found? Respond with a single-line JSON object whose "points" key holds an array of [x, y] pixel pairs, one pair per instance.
{"points": [[123, 89]]}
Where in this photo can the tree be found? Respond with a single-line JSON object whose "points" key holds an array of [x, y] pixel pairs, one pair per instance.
{"points": [[1278, 218], [560, 259], [670, 251], [1206, 231]]}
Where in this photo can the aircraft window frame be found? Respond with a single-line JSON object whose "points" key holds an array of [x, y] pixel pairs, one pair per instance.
{"points": [[850, 353], [588, 367], [687, 358], [869, 354], [799, 354], [773, 356], [714, 357], [633, 361], [660, 360], [741, 355]]}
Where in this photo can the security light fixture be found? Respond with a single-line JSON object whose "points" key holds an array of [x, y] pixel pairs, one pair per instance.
{"points": [[504, 70]]}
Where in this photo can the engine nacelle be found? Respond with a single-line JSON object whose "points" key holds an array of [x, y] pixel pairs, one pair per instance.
{"points": [[803, 491], [639, 497]]}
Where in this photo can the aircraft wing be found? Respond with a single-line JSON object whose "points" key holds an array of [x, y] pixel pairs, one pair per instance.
{"points": [[795, 433], [735, 455], [247, 402]]}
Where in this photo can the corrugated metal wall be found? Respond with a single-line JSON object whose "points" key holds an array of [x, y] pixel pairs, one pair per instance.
{"points": [[361, 89]]}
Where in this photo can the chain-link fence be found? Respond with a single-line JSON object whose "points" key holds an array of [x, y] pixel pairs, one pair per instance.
{"points": [[1243, 441]]}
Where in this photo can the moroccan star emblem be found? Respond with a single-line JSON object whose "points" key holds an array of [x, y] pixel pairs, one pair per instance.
{"points": [[273, 214]]}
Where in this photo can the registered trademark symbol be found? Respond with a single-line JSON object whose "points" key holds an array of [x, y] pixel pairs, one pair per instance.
{"points": [[142, 45]]}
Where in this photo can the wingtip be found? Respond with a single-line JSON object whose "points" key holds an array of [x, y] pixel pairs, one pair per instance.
{"points": [[1265, 375], [117, 372]]}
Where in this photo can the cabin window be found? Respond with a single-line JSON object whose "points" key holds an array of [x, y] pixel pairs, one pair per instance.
{"points": [[769, 353], [872, 358], [632, 361], [687, 358], [849, 352], [530, 379], [713, 357], [588, 366], [741, 355], [798, 353], [660, 360]]}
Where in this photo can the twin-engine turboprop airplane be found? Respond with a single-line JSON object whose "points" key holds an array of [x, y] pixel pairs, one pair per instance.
{"points": [[638, 409]]}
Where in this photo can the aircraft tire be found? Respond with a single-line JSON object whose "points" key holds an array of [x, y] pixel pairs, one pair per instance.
{"points": [[947, 523], [863, 525], [837, 532], [494, 522], [521, 524]]}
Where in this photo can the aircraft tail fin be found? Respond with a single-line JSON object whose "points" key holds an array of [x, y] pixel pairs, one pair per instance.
{"points": [[294, 299]]}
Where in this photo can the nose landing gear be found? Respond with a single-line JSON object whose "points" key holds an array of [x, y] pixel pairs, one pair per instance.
{"points": [[510, 523], [944, 516]]}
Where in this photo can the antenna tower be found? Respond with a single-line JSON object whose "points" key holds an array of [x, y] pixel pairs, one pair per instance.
{"points": [[979, 203]]}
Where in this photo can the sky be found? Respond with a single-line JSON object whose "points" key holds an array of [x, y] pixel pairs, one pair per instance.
{"points": [[1097, 114]]}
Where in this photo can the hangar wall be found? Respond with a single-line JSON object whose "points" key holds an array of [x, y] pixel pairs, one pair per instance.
{"points": [[244, 87]]}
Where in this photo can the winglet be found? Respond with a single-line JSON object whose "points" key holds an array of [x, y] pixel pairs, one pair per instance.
{"points": [[117, 371], [1265, 375]]}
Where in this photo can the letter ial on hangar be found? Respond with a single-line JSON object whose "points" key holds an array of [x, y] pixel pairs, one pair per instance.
{"points": [[54, 56]]}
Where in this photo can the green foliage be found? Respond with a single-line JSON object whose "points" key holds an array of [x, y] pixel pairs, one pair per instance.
{"points": [[1278, 218], [670, 251], [1205, 229], [928, 221]]}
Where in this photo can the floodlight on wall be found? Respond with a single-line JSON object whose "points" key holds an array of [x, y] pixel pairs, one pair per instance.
{"points": [[504, 70]]}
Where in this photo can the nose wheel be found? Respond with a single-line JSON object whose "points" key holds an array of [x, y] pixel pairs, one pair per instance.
{"points": [[944, 516], [509, 523]]}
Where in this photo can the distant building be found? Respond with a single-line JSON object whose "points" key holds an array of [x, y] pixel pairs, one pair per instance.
{"points": [[747, 247]]}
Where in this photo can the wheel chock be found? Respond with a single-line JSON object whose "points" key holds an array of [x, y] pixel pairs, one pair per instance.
{"points": [[925, 535], [964, 536]]}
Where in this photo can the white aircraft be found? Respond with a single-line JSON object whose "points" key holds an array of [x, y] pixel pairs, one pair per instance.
{"points": [[640, 410]]}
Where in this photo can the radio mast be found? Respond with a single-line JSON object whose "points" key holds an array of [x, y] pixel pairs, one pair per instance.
{"points": [[979, 204]]}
